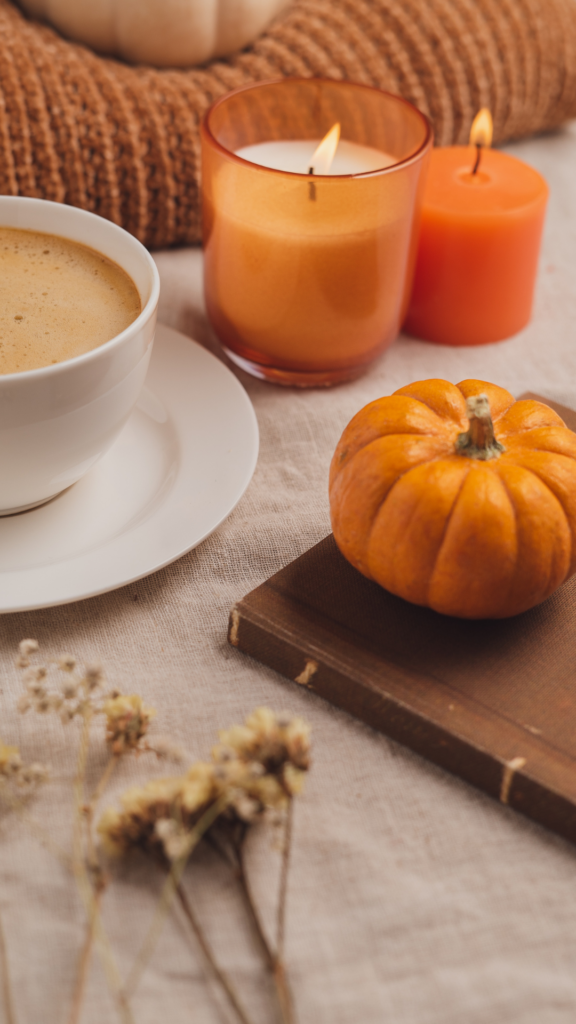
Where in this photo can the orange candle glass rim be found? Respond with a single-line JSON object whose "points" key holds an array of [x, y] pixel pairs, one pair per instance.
{"points": [[230, 154]]}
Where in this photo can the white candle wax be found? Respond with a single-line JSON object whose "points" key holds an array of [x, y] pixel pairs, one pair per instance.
{"points": [[296, 155]]}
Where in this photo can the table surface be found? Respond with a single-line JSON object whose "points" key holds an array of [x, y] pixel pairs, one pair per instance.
{"points": [[413, 898]]}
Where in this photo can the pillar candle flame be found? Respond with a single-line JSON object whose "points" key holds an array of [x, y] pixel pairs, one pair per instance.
{"points": [[325, 152], [482, 129]]}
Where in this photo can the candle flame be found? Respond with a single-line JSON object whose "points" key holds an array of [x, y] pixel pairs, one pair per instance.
{"points": [[324, 154], [482, 129]]}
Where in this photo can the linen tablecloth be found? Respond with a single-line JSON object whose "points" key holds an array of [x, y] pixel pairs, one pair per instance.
{"points": [[413, 898]]}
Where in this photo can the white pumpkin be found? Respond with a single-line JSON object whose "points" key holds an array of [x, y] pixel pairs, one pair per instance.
{"points": [[165, 33]]}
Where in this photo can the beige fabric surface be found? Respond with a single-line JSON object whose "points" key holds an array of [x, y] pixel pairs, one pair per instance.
{"points": [[413, 899]]}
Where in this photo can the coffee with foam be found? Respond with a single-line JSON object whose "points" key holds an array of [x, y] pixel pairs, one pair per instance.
{"points": [[58, 299]]}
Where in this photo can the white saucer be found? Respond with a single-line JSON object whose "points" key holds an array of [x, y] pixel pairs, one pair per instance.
{"points": [[180, 465]]}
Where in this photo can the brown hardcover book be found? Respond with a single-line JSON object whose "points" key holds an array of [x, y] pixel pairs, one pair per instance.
{"points": [[493, 701]]}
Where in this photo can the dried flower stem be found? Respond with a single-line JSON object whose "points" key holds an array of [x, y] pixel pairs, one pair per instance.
{"points": [[284, 994], [104, 779], [104, 948], [282, 987], [168, 894], [89, 809], [7, 999], [98, 883], [90, 897], [287, 845], [79, 789], [220, 975], [46, 840], [250, 903], [79, 870], [84, 964], [274, 959]]}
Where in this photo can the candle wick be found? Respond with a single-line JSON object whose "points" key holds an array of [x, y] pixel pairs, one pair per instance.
{"points": [[311, 187], [478, 158]]}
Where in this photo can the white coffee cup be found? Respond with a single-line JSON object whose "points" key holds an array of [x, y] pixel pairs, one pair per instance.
{"points": [[57, 421]]}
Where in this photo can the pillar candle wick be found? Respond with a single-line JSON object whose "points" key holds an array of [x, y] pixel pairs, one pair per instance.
{"points": [[478, 158], [311, 186]]}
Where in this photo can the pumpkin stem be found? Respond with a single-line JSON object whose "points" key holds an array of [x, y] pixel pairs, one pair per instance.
{"points": [[479, 442]]}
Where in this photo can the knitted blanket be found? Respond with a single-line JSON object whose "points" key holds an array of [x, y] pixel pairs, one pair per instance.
{"points": [[124, 142]]}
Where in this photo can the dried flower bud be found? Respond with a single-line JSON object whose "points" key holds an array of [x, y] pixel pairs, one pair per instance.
{"points": [[127, 722], [222, 753], [42, 704], [34, 675], [69, 689], [66, 715], [165, 827], [247, 808], [13, 772], [13, 763], [35, 773], [67, 662], [24, 704], [175, 839], [27, 647], [166, 749], [94, 676], [36, 688], [7, 755]]}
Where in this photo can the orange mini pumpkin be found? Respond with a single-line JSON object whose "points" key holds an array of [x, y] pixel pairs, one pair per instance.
{"points": [[458, 498]]}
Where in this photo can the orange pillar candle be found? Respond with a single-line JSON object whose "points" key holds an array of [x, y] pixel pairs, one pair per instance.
{"points": [[478, 249]]}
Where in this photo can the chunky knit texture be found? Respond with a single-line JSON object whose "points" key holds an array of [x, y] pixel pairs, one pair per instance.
{"points": [[123, 141]]}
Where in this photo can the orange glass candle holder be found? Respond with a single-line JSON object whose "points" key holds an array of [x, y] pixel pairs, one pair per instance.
{"points": [[307, 276]]}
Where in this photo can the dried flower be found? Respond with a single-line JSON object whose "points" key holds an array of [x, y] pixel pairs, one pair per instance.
{"points": [[135, 824], [182, 799], [127, 722], [277, 742], [25, 649], [256, 767], [38, 694], [13, 771]]}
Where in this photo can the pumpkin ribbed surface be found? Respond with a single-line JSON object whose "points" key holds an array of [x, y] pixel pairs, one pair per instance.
{"points": [[124, 141], [466, 537]]}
